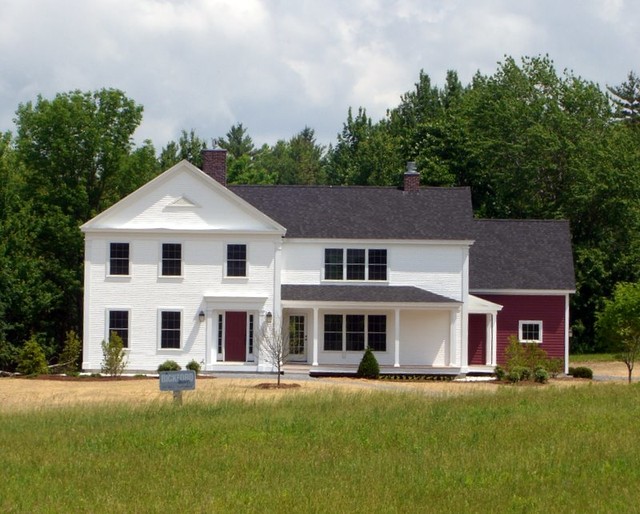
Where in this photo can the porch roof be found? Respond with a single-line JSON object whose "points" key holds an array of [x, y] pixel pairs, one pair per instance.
{"points": [[361, 293]]}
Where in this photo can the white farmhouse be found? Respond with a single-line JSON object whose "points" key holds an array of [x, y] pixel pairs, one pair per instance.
{"points": [[187, 268]]}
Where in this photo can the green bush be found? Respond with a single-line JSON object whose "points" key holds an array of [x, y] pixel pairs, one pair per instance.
{"points": [[169, 365], [114, 356], [70, 355], [582, 372], [194, 365], [500, 373], [555, 366], [517, 374], [541, 375], [31, 360], [369, 367], [571, 370]]}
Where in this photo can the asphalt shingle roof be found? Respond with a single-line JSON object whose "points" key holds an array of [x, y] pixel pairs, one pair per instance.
{"points": [[357, 212], [521, 254], [507, 254], [361, 293]]}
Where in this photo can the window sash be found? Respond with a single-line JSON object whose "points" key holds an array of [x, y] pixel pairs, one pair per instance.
{"points": [[170, 330], [355, 264], [119, 259], [236, 260], [171, 259], [119, 323], [530, 331], [333, 264], [354, 332]]}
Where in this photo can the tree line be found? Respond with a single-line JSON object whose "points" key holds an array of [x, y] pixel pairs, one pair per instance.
{"points": [[529, 141]]}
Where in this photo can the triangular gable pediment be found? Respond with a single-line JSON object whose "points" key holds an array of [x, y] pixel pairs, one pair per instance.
{"points": [[182, 203], [183, 198]]}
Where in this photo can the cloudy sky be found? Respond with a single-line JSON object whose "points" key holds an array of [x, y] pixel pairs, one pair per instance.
{"points": [[277, 66]]}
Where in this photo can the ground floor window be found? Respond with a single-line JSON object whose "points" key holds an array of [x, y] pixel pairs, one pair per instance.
{"points": [[119, 323], [220, 325], [530, 331], [355, 332], [170, 329]]}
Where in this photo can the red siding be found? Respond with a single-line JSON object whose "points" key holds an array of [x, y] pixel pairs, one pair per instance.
{"points": [[548, 309], [478, 339]]}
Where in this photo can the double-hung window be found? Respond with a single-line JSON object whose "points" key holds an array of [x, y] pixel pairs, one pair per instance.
{"points": [[236, 260], [355, 264], [171, 259], [119, 323], [170, 330], [119, 259], [355, 332], [530, 331]]}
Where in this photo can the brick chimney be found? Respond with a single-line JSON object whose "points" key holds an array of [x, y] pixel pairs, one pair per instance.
{"points": [[411, 178], [214, 164]]}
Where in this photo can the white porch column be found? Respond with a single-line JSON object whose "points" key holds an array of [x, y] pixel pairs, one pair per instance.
{"points": [[396, 341], [494, 338], [566, 334], [315, 337], [488, 354], [453, 340]]}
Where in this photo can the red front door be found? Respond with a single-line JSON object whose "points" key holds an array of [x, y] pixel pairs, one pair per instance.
{"points": [[477, 339], [235, 336]]}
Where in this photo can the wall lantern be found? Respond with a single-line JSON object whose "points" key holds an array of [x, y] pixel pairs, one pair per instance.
{"points": [[269, 317], [201, 316]]}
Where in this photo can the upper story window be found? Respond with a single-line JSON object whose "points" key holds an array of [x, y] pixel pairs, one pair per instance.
{"points": [[236, 260], [530, 331], [119, 259], [355, 264], [171, 259]]}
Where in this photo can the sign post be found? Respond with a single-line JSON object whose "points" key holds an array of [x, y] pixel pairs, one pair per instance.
{"points": [[177, 381]]}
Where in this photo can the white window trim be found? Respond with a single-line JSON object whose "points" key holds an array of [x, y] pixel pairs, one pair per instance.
{"points": [[246, 263], [108, 260], [529, 322], [159, 331], [106, 323], [345, 250], [170, 277]]}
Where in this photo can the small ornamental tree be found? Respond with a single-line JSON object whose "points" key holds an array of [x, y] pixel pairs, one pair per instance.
{"points": [[70, 354], [618, 324], [369, 367], [32, 360], [273, 345], [114, 356]]}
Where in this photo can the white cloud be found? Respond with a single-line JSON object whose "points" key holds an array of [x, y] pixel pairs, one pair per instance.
{"points": [[276, 66]]}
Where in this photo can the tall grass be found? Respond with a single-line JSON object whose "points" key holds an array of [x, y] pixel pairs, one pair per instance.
{"points": [[520, 450]]}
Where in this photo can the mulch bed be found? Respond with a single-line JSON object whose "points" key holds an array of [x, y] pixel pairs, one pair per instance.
{"points": [[89, 378], [274, 385]]}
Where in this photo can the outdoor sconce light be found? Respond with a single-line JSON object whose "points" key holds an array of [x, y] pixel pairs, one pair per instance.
{"points": [[201, 316], [269, 317]]}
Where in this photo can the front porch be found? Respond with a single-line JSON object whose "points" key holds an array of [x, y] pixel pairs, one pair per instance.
{"points": [[344, 370]]}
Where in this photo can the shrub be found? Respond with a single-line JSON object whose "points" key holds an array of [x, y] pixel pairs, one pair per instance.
{"points": [[114, 356], [582, 372], [555, 366], [369, 367], [169, 365], [194, 365], [31, 360], [571, 370], [541, 375], [514, 353], [500, 373], [517, 374], [70, 353], [535, 356]]}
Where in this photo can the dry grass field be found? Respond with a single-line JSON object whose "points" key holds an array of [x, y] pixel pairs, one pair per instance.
{"points": [[19, 394]]}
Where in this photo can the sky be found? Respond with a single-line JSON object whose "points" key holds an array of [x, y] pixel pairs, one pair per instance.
{"points": [[277, 66]]}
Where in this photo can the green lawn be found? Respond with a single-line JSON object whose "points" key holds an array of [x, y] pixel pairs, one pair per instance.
{"points": [[591, 357], [523, 449]]}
